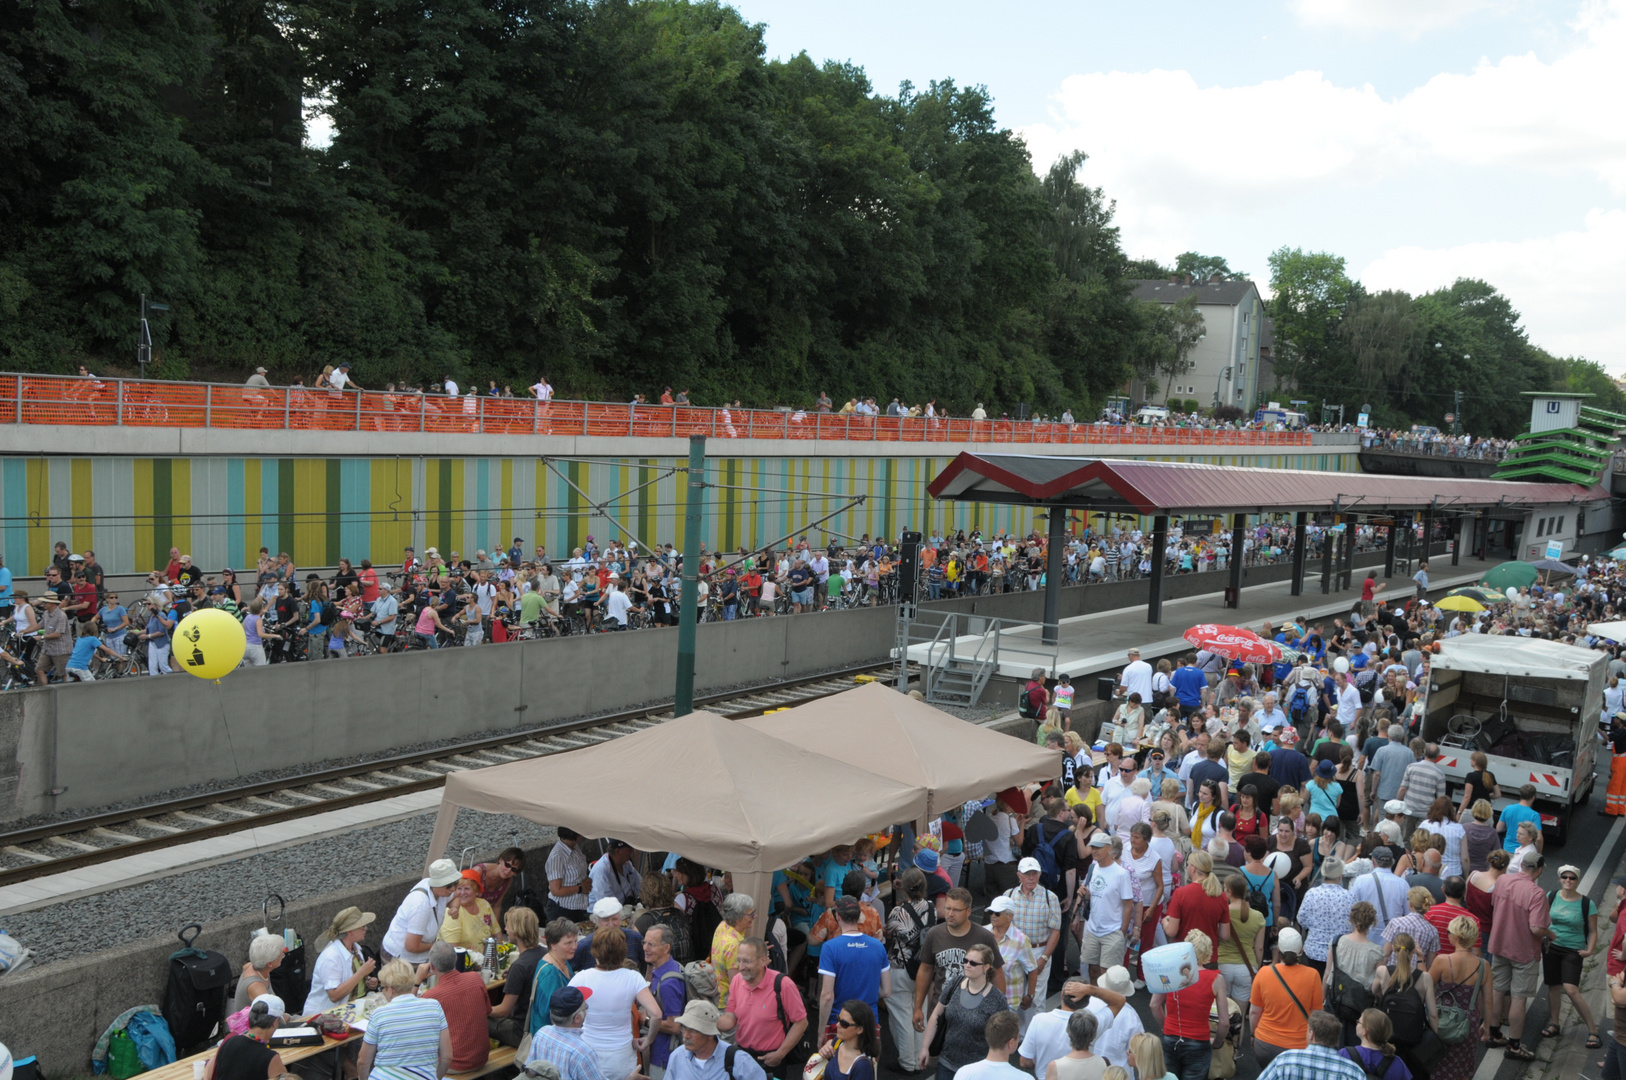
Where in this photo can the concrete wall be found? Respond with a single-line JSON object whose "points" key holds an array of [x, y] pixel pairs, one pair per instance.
{"points": [[109, 741]]}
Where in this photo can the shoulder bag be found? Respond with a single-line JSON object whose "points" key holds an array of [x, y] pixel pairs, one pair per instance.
{"points": [[1276, 969], [1348, 998], [1453, 1023]]}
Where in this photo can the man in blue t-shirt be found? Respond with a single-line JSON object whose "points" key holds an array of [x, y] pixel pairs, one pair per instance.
{"points": [[853, 965], [831, 875], [1513, 816], [1189, 685], [85, 650]]}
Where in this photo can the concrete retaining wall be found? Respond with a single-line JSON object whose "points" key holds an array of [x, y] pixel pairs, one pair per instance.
{"points": [[107, 742]]}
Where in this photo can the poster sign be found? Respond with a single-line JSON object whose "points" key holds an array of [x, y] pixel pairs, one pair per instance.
{"points": [[1362, 419], [1555, 549]]}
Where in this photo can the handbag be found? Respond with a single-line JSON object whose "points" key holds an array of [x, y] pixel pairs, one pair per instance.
{"points": [[814, 1069], [1349, 998], [941, 1033], [1453, 1022]]}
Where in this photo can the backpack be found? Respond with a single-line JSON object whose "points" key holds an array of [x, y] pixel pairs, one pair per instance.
{"points": [[1377, 1072], [1256, 896], [911, 962], [1408, 1013], [1049, 860], [195, 999], [330, 613]]}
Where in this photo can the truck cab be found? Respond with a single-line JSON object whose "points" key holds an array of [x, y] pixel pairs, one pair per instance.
{"points": [[1531, 705]]}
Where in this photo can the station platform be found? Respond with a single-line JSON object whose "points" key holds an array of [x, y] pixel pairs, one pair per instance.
{"points": [[1098, 643]]}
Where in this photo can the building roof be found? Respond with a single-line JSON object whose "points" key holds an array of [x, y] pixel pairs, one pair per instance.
{"points": [[1224, 293], [1165, 487]]}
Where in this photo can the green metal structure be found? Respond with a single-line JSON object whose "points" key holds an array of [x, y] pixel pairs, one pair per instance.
{"points": [[1578, 454]]}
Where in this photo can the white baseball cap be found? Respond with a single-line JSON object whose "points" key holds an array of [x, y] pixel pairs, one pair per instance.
{"points": [[607, 908], [1001, 903], [1029, 865], [1289, 940]]}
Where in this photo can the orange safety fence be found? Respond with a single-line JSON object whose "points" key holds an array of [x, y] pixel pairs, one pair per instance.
{"points": [[45, 399]]}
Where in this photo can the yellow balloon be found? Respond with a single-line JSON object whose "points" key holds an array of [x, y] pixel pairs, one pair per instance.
{"points": [[209, 643]]}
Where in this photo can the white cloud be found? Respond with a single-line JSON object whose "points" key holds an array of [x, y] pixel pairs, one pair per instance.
{"points": [[1223, 164], [1408, 18], [1566, 286]]}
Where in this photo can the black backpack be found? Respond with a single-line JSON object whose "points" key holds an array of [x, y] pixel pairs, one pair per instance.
{"points": [[1257, 899], [195, 999], [1408, 1014]]}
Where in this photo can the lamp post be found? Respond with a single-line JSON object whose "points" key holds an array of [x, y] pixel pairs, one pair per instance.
{"points": [[144, 335]]}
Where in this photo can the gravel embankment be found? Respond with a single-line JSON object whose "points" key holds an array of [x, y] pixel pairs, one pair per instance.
{"points": [[90, 924]]}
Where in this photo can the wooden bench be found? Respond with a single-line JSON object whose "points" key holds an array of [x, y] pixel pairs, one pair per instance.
{"points": [[501, 1058]]}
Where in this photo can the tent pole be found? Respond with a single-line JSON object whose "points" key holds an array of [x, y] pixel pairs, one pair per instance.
{"points": [[683, 699]]}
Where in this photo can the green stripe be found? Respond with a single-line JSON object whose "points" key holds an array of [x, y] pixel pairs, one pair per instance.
{"points": [[644, 533], [163, 507], [335, 487]]}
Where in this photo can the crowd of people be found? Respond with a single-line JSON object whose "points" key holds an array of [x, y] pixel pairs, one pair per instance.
{"points": [[1347, 914], [1436, 443], [79, 629]]}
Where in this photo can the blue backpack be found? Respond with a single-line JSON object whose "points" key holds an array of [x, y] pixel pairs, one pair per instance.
{"points": [[1049, 861]]}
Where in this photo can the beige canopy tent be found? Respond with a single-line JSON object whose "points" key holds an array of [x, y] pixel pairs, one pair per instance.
{"points": [[878, 729], [713, 789]]}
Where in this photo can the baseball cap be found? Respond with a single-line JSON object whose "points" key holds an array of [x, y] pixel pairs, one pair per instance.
{"points": [[1395, 806], [443, 872], [1289, 940], [847, 907], [607, 908], [1001, 903], [568, 1000], [1569, 868], [1029, 865], [273, 1005], [1100, 839]]}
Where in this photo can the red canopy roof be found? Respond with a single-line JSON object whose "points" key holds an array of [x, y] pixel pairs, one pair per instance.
{"points": [[1161, 487]]}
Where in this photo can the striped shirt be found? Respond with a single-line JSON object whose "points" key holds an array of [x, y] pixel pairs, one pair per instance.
{"points": [[569, 867], [1312, 1063], [567, 1051], [406, 1032]]}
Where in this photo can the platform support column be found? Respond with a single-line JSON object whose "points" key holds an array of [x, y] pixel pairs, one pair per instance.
{"points": [[1239, 525], [1464, 525], [1428, 534], [1351, 523], [688, 616], [1389, 547], [1328, 539], [1053, 573], [1160, 540], [1299, 525]]}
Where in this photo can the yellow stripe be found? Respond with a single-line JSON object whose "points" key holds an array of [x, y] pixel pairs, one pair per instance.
{"points": [[181, 503], [39, 519], [82, 504], [253, 524], [391, 512], [310, 511]]}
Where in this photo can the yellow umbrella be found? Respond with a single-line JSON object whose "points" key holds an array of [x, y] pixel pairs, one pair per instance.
{"points": [[1460, 603]]}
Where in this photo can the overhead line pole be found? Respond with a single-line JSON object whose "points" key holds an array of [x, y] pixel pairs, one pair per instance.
{"points": [[683, 698]]}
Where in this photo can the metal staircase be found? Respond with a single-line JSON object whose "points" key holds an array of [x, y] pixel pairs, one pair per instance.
{"points": [[958, 654]]}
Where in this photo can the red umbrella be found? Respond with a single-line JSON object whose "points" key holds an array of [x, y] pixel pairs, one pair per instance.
{"points": [[1234, 643]]}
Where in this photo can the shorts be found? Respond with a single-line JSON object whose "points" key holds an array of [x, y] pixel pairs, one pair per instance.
{"points": [[1102, 951], [801, 596], [1521, 980], [1560, 966], [84, 675], [46, 663]]}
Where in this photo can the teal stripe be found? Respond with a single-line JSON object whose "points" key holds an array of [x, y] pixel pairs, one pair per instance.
{"points": [[14, 492], [355, 501], [236, 527]]}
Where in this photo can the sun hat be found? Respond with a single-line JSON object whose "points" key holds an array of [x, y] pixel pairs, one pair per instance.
{"points": [[1117, 979], [700, 1016], [475, 876], [1326, 769], [351, 918], [443, 872], [926, 859]]}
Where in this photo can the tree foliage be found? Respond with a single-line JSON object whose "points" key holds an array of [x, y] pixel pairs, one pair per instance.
{"points": [[619, 194]]}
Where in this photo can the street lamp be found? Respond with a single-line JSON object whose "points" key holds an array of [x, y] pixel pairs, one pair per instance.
{"points": [[144, 338]]}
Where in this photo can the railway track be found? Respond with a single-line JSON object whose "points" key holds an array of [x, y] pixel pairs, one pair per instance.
{"points": [[66, 845]]}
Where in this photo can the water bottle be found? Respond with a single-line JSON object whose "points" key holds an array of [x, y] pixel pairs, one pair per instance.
{"points": [[488, 963]]}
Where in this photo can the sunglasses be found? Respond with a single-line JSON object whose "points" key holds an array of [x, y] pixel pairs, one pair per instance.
{"points": [[844, 1022], [1568, 877], [975, 963]]}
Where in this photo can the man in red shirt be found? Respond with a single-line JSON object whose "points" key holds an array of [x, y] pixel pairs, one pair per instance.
{"points": [[1615, 961], [1440, 915], [462, 997], [1371, 587], [1520, 927], [369, 581], [173, 570], [751, 587]]}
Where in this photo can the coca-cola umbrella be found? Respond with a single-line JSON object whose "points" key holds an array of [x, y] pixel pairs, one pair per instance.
{"points": [[1234, 643]]}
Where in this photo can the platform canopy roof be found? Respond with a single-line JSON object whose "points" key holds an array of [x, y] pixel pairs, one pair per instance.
{"points": [[1121, 485]]}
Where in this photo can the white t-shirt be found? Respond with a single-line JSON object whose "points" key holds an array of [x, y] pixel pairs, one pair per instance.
{"points": [[339, 379], [485, 594], [609, 1015], [450, 388], [1349, 706], [542, 390], [1046, 1039], [331, 969], [1145, 872], [998, 850], [1109, 888], [1112, 1042], [420, 913], [990, 1070], [617, 605], [1137, 679]]}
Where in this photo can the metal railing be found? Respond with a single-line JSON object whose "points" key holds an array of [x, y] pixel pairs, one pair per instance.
{"points": [[81, 401], [955, 670]]}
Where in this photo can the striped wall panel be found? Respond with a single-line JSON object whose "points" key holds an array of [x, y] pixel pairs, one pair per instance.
{"points": [[221, 511]]}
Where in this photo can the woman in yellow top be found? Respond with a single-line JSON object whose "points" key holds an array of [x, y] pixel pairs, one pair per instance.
{"points": [[469, 919]]}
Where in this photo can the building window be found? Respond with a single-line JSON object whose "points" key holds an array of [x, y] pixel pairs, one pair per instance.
{"points": [[1541, 527], [1560, 527]]}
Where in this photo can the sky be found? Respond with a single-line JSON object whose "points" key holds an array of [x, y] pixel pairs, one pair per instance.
{"points": [[1422, 140]]}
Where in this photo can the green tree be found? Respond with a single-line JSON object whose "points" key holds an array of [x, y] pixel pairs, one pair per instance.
{"points": [[1203, 267], [1311, 292]]}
